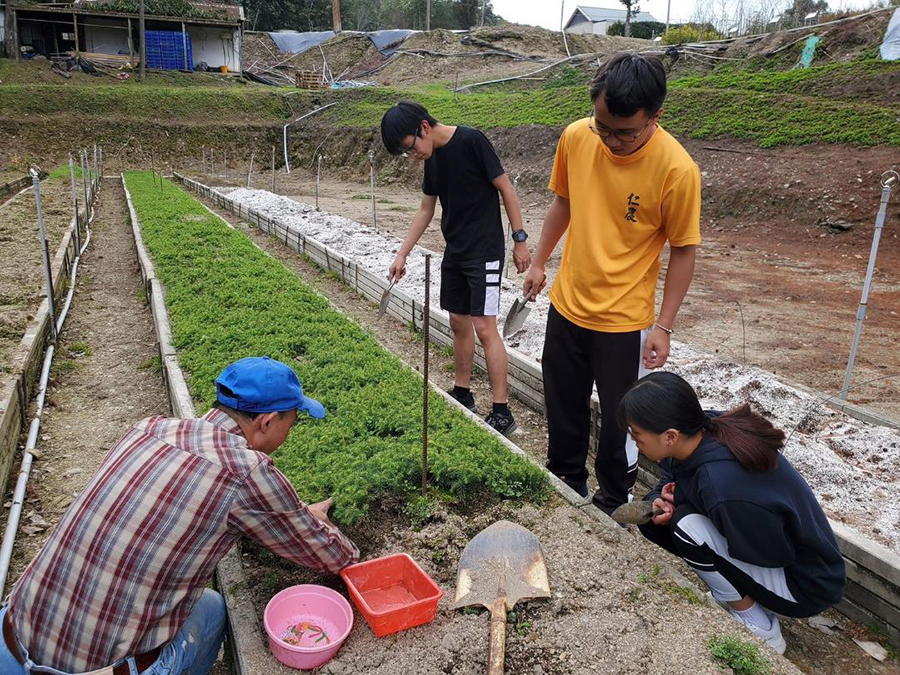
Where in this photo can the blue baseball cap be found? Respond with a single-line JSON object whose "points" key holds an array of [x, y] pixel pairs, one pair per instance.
{"points": [[260, 384]]}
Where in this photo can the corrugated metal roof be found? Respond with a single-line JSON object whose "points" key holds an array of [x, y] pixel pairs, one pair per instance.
{"points": [[597, 14]]}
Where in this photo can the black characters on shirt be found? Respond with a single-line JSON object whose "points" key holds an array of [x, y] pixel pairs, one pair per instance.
{"points": [[633, 206]]}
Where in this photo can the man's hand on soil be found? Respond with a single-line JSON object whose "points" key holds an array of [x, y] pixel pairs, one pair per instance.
{"points": [[320, 510], [656, 349], [521, 256], [397, 269], [534, 279]]}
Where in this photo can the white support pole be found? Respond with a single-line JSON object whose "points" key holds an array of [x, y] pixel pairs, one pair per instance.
{"points": [[889, 179], [84, 186], [48, 276], [250, 171], [372, 186], [75, 203], [318, 177]]}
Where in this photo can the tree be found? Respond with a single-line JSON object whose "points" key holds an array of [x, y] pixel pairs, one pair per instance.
{"points": [[798, 11], [632, 9], [645, 30], [366, 15]]}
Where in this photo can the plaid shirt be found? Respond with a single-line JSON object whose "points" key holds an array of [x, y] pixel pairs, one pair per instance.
{"points": [[121, 572]]}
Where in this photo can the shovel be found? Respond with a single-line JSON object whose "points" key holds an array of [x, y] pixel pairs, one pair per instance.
{"points": [[515, 319], [385, 299], [504, 563]]}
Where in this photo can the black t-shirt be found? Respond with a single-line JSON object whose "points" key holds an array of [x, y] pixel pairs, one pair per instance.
{"points": [[460, 174]]}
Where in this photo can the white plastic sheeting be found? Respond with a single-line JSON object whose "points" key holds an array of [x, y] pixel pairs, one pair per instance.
{"points": [[890, 48]]}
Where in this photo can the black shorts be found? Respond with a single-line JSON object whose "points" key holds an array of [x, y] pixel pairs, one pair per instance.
{"points": [[471, 288]]}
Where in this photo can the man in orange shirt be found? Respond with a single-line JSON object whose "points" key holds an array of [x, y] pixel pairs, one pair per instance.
{"points": [[624, 187]]}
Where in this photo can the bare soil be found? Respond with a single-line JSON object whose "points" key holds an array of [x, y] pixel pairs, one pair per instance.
{"points": [[22, 285], [612, 604], [387, 531]]}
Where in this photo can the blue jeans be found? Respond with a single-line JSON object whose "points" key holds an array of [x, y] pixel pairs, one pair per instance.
{"points": [[192, 651]]}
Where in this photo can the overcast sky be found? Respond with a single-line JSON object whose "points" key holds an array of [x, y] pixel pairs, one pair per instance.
{"points": [[546, 12]]}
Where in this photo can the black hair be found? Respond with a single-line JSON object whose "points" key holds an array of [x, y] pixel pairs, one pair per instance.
{"points": [[630, 82], [400, 121], [662, 401]]}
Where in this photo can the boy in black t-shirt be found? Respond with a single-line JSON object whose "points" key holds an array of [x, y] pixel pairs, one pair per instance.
{"points": [[462, 169]]}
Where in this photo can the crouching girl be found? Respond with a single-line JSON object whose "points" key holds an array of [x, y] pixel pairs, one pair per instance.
{"points": [[733, 507]]}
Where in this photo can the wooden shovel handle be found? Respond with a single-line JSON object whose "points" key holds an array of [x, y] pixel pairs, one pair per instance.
{"points": [[498, 637]]}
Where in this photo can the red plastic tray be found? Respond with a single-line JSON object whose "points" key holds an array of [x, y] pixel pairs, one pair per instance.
{"points": [[392, 593]]}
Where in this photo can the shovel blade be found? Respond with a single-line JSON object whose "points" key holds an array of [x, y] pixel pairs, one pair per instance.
{"points": [[515, 319], [634, 513], [385, 300], [503, 559]]}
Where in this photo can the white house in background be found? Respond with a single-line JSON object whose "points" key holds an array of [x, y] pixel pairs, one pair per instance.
{"points": [[597, 20]]}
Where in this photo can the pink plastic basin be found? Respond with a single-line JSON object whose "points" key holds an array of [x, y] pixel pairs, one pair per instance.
{"points": [[317, 606], [392, 593]]}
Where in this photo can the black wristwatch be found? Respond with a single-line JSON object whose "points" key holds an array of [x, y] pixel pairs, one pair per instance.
{"points": [[519, 236]]}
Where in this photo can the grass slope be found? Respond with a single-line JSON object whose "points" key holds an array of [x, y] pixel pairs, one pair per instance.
{"points": [[832, 103], [227, 300]]}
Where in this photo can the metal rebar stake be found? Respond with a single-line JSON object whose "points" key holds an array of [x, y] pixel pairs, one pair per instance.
{"points": [[426, 325], [888, 180], [84, 188], [372, 186], [48, 278], [75, 203]]}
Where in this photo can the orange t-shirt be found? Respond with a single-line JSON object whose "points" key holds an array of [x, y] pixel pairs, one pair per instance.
{"points": [[623, 210]]}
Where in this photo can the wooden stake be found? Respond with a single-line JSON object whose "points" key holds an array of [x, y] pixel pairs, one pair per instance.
{"points": [[273, 168], [250, 172]]}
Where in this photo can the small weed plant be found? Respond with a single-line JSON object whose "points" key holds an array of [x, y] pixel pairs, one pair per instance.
{"points": [[742, 656]]}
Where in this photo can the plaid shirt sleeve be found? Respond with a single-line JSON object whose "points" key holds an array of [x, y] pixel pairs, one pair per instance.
{"points": [[268, 511]]}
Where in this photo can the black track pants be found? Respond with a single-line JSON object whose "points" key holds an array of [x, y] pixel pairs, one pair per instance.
{"points": [[574, 359]]}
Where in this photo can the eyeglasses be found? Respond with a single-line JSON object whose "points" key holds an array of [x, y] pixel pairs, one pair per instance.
{"points": [[624, 136], [412, 145]]}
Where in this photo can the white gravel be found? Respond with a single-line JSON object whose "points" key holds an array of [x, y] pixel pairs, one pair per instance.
{"points": [[852, 466]]}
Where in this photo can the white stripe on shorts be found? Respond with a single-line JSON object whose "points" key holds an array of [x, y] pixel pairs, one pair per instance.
{"points": [[631, 449], [492, 293]]}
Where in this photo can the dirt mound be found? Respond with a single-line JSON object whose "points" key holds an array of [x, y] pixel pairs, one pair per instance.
{"points": [[502, 51], [844, 41]]}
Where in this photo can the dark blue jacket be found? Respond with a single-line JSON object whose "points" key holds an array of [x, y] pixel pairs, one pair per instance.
{"points": [[769, 519]]}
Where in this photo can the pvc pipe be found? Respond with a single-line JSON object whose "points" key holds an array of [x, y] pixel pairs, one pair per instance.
{"points": [[18, 500], [287, 161]]}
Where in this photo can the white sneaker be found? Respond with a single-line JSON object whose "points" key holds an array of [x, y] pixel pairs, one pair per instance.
{"points": [[772, 637]]}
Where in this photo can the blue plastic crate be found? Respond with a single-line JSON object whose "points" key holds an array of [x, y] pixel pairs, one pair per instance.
{"points": [[166, 50]]}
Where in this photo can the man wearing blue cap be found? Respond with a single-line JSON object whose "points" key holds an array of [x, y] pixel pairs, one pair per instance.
{"points": [[120, 586]]}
